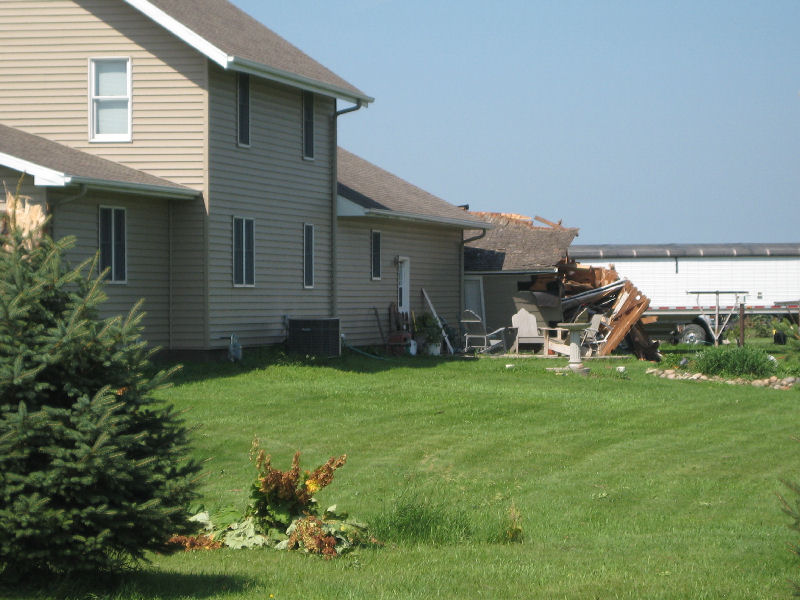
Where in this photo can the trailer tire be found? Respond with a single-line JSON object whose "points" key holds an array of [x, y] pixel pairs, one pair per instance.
{"points": [[693, 334]]}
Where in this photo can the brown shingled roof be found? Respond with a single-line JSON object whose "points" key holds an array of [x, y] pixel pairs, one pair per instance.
{"points": [[238, 34], [515, 244], [79, 165], [374, 188]]}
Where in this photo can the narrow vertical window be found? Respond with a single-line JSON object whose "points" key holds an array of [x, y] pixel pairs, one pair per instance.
{"points": [[308, 125], [243, 108], [376, 254], [243, 251], [110, 99], [308, 256], [111, 233]]}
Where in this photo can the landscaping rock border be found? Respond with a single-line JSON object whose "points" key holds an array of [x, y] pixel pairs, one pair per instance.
{"points": [[774, 382]]}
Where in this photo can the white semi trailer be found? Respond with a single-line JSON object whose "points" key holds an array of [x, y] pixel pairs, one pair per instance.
{"points": [[681, 281]]}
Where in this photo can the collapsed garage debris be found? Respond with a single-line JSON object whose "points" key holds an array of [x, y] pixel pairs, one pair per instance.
{"points": [[614, 306]]}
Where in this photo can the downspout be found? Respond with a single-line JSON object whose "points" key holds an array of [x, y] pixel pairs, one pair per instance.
{"points": [[51, 207], [81, 193], [170, 282], [334, 201], [461, 268]]}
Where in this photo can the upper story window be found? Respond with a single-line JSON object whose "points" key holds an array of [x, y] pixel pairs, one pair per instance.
{"points": [[308, 255], [243, 109], [376, 254], [110, 99], [308, 125], [243, 252], [112, 243]]}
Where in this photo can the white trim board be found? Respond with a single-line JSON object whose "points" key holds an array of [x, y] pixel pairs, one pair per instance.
{"points": [[237, 63]]}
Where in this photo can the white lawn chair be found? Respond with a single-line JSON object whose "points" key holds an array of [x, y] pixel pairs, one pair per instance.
{"points": [[476, 337]]}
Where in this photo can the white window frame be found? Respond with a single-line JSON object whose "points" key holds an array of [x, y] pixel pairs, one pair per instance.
{"points": [[244, 283], [306, 228], [372, 233], [109, 137], [404, 284], [239, 129], [112, 277], [308, 123]]}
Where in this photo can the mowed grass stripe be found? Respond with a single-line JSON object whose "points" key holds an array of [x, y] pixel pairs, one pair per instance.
{"points": [[628, 487]]}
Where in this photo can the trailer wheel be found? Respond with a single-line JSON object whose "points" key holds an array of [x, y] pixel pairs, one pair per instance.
{"points": [[693, 334]]}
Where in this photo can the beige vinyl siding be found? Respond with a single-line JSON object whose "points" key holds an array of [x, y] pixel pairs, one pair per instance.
{"points": [[434, 253], [147, 254], [270, 182], [189, 312], [498, 297], [44, 62], [10, 179]]}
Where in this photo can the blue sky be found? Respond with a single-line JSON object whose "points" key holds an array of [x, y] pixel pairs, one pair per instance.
{"points": [[638, 122]]}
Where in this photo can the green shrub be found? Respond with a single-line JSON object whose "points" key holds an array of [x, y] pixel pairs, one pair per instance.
{"points": [[92, 469], [745, 361]]}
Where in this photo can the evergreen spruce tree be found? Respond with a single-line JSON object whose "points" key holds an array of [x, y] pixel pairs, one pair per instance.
{"points": [[93, 469]]}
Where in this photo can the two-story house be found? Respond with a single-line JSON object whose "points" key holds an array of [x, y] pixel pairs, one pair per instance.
{"points": [[196, 150], [189, 143]]}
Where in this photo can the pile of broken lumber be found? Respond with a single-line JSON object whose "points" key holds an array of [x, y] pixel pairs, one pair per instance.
{"points": [[590, 291]]}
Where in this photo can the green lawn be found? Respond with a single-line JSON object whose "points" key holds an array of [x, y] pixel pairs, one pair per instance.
{"points": [[628, 486]]}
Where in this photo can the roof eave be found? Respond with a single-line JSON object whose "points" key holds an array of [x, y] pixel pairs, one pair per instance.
{"points": [[532, 270], [243, 65], [407, 216], [416, 217], [47, 177], [141, 189]]}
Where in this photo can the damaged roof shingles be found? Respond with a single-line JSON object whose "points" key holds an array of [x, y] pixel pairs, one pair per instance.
{"points": [[516, 245]]}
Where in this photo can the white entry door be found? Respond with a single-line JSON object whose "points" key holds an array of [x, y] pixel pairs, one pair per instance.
{"points": [[403, 284]]}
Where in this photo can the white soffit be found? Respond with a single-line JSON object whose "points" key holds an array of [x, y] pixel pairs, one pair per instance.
{"points": [[41, 175]]}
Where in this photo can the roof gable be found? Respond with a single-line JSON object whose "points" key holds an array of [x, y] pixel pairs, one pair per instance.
{"points": [[235, 40]]}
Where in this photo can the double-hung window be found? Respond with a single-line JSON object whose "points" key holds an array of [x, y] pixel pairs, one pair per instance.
{"points": [[376, 254], [243, 109], [110, 99], [308, 255], [243, 252], [112, 243], [308, 125]]}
